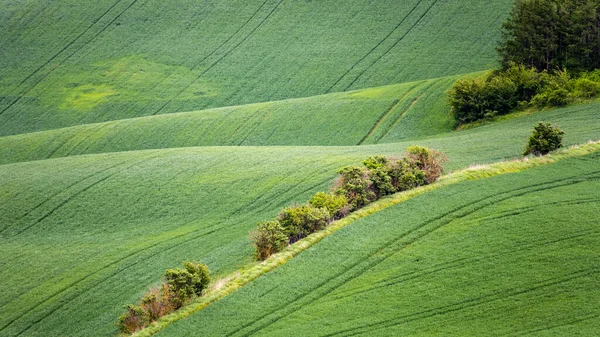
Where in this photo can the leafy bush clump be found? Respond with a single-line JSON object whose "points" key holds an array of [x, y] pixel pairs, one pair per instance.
{"points": [[354, 188], [518, 87], [178, 287], [269, 238], [300, 221], [353, 183], [545, 138], [335, 204]]}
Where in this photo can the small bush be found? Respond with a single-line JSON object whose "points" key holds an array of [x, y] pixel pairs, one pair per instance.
{"points": [[300, 221], [187, 282], [177, 288], [427, 160], [375, 162], [268, 238], [381, 182], [332, 202], [545, 138], [586, 88], [353, 182]]}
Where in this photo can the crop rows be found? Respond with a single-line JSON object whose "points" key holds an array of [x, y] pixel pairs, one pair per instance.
{"points": [[127, 59], [408, 271]]}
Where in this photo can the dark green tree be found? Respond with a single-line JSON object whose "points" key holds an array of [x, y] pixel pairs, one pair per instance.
{"points": [[553, 34], [545, 138]]}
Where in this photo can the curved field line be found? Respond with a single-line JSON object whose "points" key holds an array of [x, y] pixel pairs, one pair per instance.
{"points": [[62, 50], [412, 104], [579, 320], [393, 46], [212, 52], [70, 55], [388, 111], [375, 47], [59, 192], [253, 271], [466, 304], [390, 249], [222, 57], [107, 266], [454, 264], [71, 197]]}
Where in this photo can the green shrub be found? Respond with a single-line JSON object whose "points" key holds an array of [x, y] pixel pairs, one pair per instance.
{"points": [[427, 160], [586, 88], [478, 98], [300, 221], [545, 138], [268, 238], [353, 182], [334, 204], [376, 162], [186, 283], [381, 182]]}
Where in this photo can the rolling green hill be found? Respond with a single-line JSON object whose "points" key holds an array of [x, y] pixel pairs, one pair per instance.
{"points": [[95, 230], [65, 63], [136, 134], [510, 255], [284, 123], [367, 116]]}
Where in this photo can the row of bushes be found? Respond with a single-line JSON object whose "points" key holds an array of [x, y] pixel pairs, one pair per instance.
{"points": [[354, 188], [178, 287], [518, 87]]}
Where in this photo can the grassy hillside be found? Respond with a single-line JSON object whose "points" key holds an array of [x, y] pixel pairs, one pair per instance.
{"points": [[94, 231], [66, 63], [510, 255], [338, 119]]}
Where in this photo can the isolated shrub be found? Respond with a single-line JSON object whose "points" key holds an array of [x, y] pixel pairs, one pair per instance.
{"points": [[545, 138], [334, 203], [427, 160], [374, 162], [353, 182], [185, 283], [268, 238], [300, 221]]}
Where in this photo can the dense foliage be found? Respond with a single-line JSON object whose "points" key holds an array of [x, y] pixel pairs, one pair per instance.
{"points": [[545, 138], [518, 87], [553, 34], [354, 188], [178, 287]]}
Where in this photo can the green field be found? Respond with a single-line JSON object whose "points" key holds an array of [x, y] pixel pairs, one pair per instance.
{"points": [[136, 134], [510, 255], [368, 116], [67, 63], [84, 224]]}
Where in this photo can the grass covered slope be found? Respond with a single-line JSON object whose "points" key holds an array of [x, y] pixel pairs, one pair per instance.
{"points": [[94, 231], [67, 63], [319, 128], [512, 255], [86, 235], [367, 116]]}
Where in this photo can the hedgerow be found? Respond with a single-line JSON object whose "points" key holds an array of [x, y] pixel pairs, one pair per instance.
{"points": [[178, 287], [354, 188]]}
